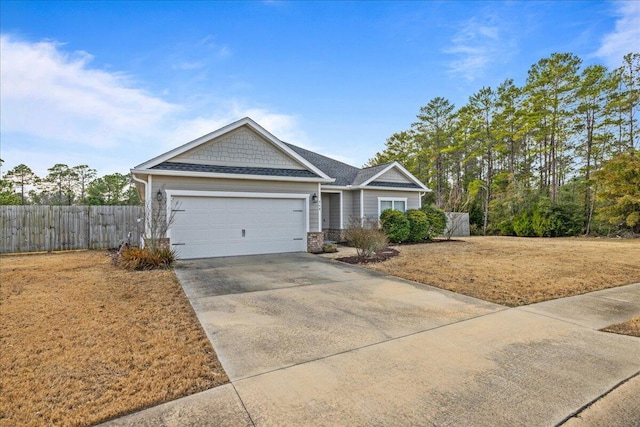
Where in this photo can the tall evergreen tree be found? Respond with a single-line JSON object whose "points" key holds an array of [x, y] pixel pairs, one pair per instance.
{"points": [[21, 176], [626, 102], [551, 87], [83, 175], [62, 178], [482, 104], [596, 87], [433, 134]]}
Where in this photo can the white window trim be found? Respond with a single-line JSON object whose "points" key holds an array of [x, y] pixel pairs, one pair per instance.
{"points": [[170, 194], [392, 199]]}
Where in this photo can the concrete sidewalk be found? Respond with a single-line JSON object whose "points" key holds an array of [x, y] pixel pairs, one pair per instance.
{"points": [[308, 341], [595, 310]]}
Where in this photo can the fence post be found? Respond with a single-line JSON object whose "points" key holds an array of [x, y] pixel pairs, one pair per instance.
{"points": [[49, 227], [88, 226]]}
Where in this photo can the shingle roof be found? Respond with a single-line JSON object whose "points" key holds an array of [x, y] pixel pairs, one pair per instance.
{"points": [[193, 167], [343, 173], [346, 174], [393, 184], [368, 173]]}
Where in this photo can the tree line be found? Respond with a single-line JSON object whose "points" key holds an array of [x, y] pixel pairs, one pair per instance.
{"points": [[64, 185], [556, 156]]}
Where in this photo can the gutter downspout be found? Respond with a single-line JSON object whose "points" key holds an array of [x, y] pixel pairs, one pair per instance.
{"points": [[147, 203]]}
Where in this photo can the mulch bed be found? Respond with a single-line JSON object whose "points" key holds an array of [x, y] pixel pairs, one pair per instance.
{"points": [[379, 257], [389, 252]]}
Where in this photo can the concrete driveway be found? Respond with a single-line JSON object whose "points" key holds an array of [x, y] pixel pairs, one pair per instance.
{"points": [[309, 341]]}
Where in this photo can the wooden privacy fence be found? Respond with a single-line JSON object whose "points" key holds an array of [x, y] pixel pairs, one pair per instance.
{"points": [[457, 224], [53, 228]]}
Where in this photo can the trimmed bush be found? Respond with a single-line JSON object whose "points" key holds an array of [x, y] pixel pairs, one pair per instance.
{"points": [[146, 259], [418, 225], [437, 221], [395, 224], [365, 235]]}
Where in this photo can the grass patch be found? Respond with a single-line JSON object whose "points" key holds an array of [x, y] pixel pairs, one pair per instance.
{"points": [[631, 327], [84, 341], [518, 271]]}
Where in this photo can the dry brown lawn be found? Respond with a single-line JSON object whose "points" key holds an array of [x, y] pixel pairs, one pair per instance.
{"points": [[518, 271], [631, 327], [83, 341]]}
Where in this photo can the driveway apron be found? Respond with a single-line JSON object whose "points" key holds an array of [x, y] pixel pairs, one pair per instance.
{"points": [[309, 341]]}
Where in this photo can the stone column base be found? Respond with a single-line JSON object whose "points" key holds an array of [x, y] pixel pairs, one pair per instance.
{"points": [[315, 240]]}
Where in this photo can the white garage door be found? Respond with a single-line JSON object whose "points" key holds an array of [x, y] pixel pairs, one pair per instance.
{"points": [[228, 226]]}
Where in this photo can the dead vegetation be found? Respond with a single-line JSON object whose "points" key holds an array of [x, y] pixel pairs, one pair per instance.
{"points": [[631, 327], [518, 271], [83, 341]]}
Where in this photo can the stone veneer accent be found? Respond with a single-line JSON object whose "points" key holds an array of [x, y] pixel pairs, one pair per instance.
{"points": [[334, 235], [315, 241], [240, 148]]}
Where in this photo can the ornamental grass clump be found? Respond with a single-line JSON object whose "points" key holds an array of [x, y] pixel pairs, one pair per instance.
{"points": [[146, 259]]}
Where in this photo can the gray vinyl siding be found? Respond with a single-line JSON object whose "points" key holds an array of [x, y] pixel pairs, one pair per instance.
{"points": [[393, 175], [347, 208], [371, 200], [356, 204], [334, 211], [238, 185]]}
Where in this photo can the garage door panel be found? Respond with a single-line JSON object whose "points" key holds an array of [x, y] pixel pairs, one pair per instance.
{"points": [[212, 226]]}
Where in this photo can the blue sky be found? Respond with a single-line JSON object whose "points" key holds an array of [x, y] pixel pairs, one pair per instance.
{"points": [[113, 84]]}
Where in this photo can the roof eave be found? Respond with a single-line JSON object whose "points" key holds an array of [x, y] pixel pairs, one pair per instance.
{"points": [[160, 172], [404, 172], [366, 187], [226, 129]]}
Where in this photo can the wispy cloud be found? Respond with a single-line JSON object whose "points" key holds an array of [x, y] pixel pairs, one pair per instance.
{"points": [[198, 55], [211, 45], [58, 107], [625, 37], [475, 46]]}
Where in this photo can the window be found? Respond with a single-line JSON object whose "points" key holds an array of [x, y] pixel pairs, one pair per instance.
{"points": [[391, 203]]}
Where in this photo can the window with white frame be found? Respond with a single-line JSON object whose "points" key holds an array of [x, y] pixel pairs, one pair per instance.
{"points": [[397, 204]]}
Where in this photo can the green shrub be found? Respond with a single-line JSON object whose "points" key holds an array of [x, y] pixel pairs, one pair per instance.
{"points": [[146, 259], [474, 230], [541, 224], [365, 235], [522, 225], [505, 228], [329, 248], [567, 219], [437, 221], [395, 224], [418, 225]]}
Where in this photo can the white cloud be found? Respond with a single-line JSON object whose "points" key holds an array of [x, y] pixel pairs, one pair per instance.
{"points": [[625, 38], [56, 108], [53, 95], [475, 47]]}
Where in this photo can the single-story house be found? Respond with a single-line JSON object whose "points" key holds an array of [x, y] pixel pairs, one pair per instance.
{"points": [[240, 190]]}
